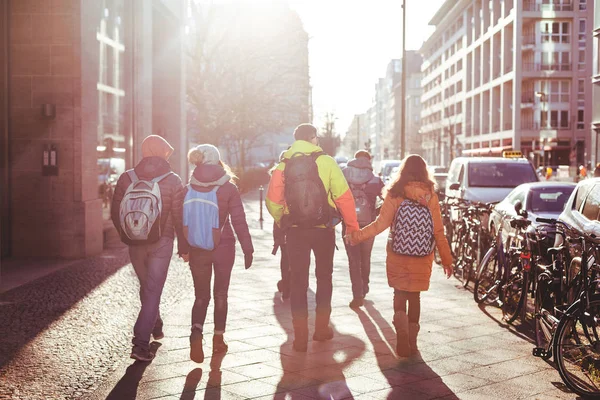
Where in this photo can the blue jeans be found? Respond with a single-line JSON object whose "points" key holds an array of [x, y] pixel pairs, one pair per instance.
{"points": [[359, 260], [202, 263], [151, 264]]}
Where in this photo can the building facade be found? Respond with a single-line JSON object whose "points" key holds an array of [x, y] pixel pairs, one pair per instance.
{"points": [[595, 134], [85, 82], [501, 75]]}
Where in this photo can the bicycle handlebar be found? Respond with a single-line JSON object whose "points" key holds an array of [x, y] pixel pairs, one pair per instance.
{"points": [[590, 237]]}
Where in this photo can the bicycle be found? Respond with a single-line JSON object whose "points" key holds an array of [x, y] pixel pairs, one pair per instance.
{"points": [[503, 277], [575, 343]]}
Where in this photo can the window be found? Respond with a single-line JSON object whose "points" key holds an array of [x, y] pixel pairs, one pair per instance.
{"points": [[582, 29], [550, 200], [554, 119], [500, 174], [582, 5], [556, 91], [581, 63], [556, 61], [581, 91], [580, 119], [556, 32], [592, 204]]}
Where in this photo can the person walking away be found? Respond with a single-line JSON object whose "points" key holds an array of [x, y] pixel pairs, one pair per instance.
{"points": [[304, 191], [597, 171], [365, 188], [283, 285], [211, 205], [412, 212], [146, 210]]}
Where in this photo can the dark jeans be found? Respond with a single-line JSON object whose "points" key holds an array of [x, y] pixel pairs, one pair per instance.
{"points": [[413, 299], [151, 264], [284, 265], [202, 263], [300, 242], [359, 260]]}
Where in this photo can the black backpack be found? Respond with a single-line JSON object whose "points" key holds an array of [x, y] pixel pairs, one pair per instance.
{"points": [[304, 192]]}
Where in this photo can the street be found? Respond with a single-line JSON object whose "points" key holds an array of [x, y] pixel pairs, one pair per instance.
{"points": [[67, 336]]}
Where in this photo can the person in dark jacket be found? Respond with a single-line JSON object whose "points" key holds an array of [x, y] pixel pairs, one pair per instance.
{"points": [[211, 172], [363, 184], [151, 261]]}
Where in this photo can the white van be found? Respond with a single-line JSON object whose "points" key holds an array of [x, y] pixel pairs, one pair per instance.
{"points": [[487, 179]]}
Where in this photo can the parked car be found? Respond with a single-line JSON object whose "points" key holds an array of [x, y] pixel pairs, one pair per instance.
{"points": [[538, 199], [342, 161], [436, 169], [385, 169], [487, 179], [441, 178], [582, 211]]}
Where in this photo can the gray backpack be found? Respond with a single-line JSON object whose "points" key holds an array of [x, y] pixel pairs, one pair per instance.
{"points": [[140, 210]]}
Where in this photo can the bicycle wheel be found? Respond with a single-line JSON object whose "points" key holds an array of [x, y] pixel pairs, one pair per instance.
{"points": [[577, 349], [514, 291], [544, 305], [485, 281], [467, 263]]}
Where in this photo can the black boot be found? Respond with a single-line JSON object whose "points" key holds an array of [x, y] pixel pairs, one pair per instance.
{"points": [[301, 335], [323, 331]]}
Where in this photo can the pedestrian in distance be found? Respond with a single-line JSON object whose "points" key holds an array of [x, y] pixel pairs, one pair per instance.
{"points": [[146, 210], [597, 171], [211, 206], [305, 190], [411, 210], [283, 285], [366, 187]]}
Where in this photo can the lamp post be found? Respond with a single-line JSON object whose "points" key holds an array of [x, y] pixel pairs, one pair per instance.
{"points": [[542, 97], [403, 87]]}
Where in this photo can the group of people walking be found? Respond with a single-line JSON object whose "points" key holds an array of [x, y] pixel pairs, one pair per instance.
{"points": [[308, 195]]}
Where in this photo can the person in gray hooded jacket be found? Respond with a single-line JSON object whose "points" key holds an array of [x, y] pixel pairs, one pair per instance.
{"points": [[365, 187]]}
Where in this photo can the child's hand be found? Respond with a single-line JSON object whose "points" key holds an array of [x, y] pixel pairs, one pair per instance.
{"points": [[448, 270], [350, 239]]}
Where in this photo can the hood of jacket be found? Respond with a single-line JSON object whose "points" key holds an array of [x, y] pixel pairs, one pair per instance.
{"points": [[301, 146], [419, 192], [358, 171], [151, 167], [208, 176]]}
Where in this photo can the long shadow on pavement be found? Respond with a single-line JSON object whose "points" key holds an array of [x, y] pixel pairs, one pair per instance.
{"points": [[330, 382], [406, 374], [127, 386], [28, 310]]}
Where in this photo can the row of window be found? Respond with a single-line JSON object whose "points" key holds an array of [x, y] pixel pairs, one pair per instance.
{"points": [[453, 69], [453, 89]]}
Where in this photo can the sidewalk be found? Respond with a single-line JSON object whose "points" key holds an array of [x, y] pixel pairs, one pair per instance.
{"points": [[467, 353]]}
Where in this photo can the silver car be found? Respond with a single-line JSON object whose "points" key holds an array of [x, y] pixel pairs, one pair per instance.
{"points": [[539, 199], [582, 211]]}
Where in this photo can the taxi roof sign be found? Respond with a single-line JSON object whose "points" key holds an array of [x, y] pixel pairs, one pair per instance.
{"points": [[512, 154]]}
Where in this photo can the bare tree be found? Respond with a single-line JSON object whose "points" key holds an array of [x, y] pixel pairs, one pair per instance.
{"points": [[329, 140], [247, 77]]}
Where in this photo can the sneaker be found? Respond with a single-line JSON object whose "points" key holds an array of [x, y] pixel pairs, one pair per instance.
{"points": [[323, 334], [219, 345], [356, 303], [196, 351], [141, 354], [157, 333]]}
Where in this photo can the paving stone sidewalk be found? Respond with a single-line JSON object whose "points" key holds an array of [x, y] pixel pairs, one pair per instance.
{"points": [[466, 352]]}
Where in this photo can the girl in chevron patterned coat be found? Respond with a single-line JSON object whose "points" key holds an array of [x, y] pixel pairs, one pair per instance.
{"points": [[409, 275]]}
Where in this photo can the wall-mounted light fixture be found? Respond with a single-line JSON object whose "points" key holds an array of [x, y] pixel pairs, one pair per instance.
{"points": [[49, 111]]}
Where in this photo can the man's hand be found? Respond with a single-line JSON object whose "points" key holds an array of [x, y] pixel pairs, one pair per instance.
{"points": [[448, 270], [185, 257], [248, 258]]}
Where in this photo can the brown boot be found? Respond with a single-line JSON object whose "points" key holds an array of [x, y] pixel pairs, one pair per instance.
{"points": [[219, 345], [413, 332], [401, 325], [323, 331]]}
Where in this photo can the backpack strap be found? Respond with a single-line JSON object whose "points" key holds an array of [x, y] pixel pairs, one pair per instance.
{"points": [[132, 175], [160, 178]]}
